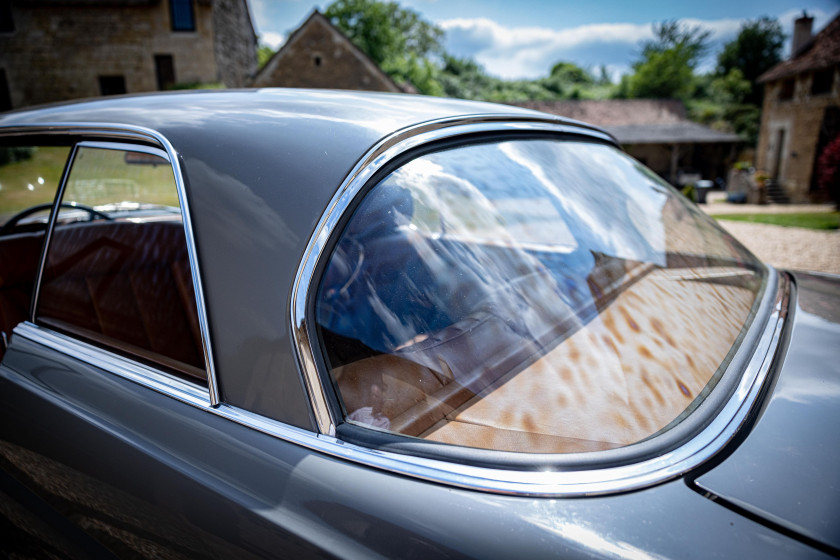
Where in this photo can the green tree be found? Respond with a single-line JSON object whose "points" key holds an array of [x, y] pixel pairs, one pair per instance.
{"points": [[604, 76], [465, 78], [567, 81], [264, 53], [385, 31], [756, 49], [719, 103], [666, 67], [572, 73]]}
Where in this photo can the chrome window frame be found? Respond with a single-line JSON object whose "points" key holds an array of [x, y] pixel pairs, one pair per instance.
{"points": [[379, 156], [524, 483], [124, 138], [670, 464]]}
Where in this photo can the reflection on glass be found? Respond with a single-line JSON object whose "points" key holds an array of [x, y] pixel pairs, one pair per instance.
{"points": [[117, 271], [530, 295], [29, 177]]}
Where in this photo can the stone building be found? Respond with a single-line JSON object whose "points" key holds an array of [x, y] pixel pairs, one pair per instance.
{"points": [[657, 133], [53, 50], [801, 112], [317, 55]]}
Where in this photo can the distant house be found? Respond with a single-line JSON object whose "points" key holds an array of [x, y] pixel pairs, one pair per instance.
{"points": [[657, 133], [52, 50], [318, 55], [801, 113]]}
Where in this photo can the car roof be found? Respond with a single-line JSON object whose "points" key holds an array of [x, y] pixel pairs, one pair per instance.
{"points": [[215, 111], [212, 109], [260, 168], [324, 131]]}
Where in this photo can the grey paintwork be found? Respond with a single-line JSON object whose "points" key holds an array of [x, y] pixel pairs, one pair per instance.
{"points": [[139, 470], [146, 474], [787, 469], [260, 168]]}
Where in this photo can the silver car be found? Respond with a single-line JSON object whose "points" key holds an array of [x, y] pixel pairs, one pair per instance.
{"points": [[283, 323]]}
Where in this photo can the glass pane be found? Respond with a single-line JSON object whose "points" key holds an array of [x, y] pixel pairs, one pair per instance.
{"points": [[117, 270], [532, 295], [182, 15], [29, 177]]}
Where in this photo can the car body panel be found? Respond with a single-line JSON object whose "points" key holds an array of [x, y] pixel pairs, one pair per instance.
{"points": [[241, 154], [146, 474], [786, 470]]}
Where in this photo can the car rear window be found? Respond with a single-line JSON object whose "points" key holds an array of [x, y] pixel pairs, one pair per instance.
{"points": [[531, 295]]}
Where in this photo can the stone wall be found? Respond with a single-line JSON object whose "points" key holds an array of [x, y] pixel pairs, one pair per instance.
{"points": [[236, 43], [319, 56], [790, 134], [58, 51]]}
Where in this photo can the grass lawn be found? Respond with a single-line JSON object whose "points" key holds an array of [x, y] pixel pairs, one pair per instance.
{"points": [[809, 220], [98, 177]]}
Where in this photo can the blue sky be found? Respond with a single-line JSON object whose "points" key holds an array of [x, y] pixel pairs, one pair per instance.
{"points": [[524, 38]]}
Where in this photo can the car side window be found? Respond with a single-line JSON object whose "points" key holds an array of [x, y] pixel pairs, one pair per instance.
{"points": [[29, 177], [117, 270]]}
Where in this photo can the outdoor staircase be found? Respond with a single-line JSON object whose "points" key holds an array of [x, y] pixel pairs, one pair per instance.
{"points": [[776, 193]]}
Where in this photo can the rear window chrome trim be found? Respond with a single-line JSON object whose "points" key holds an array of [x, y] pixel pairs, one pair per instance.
{"points": [[100, 135], [521, 483], [634, 476], [375, 159], [706, 443], [557, 484]]}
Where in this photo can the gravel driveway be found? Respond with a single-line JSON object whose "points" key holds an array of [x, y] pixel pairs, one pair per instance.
{"points": [[789, 247], [783, 247]]}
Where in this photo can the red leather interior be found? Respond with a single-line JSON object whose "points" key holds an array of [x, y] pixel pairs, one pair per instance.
{"points": [[19, 255], [125, 285]]}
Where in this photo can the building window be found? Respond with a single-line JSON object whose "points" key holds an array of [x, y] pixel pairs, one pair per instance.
{"points": [[183, 17], [165, 71], [7, 24], [111, 85], [786, 90], [5, 94], [822, 81]]}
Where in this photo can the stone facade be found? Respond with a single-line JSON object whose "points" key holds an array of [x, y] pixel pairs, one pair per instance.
{"points": [[235, 44], [66, 49], [317, 55], [801, 113]]}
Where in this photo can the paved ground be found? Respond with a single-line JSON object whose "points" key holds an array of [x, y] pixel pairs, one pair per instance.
{"points": [[783, 247]]}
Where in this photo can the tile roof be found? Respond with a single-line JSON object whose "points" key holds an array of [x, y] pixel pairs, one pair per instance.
{"points": [[685, 132], [823, 52], [613, 112], [636, 121]]}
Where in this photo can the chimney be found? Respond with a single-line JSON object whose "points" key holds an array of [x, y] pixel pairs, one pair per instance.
{"points": [[801, 33]]}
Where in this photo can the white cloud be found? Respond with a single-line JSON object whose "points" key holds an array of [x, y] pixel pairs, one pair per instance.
{"points": [[529, 52], [273, 40]]}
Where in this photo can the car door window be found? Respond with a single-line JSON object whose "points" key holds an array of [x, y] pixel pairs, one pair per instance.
{"points": [[29, 177], [117, 270]]}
